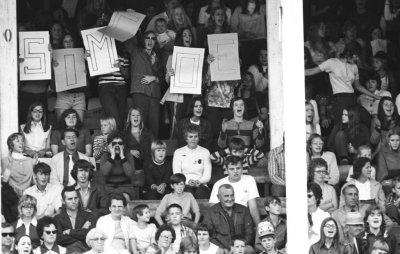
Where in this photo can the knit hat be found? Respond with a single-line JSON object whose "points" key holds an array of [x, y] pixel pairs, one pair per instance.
{"points": [[265, 228]]}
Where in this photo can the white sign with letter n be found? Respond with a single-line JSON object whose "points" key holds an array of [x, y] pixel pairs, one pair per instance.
{"points": [[70, 71], [34, 50], [103, 53]]}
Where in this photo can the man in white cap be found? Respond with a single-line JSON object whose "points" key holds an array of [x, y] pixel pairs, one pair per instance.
{"points": [[353, 231], [266, 234]]}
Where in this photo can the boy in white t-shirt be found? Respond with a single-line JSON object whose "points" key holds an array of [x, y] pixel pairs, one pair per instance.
{"points": [[164, 35], [245, 187], [143, 232]]}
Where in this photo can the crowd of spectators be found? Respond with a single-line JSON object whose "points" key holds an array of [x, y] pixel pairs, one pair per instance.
{"points": [[66, 188]]}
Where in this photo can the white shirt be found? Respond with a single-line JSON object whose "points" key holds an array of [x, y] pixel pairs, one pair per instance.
{"points": [[195, 163], [317, 217], [36, 139], [261, 83], [341, 75], [48, 201], [211, 250], [20, 222], [364, 190], [351, 172], [245, 189], [143, 236]]}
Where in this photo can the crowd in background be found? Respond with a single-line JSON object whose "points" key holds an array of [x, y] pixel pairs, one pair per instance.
{"points": [[66, 188]]}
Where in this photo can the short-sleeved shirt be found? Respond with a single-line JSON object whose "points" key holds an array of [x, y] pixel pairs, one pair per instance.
{"points": [[83, 140], [36, 139], [48, 200], [342, 75], [143, 236], [245, 189]]}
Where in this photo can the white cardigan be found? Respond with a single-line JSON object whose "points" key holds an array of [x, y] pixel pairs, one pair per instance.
{"points": [[107, 225]]}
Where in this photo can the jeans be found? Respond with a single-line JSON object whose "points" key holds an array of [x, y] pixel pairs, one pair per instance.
{"points": [[201, 192], [113, 102]]}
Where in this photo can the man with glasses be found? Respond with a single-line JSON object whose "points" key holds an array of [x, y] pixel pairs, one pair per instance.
{"points": [[273, 207], [72, 223], [7, 238], [47, 231], [118, 166]]}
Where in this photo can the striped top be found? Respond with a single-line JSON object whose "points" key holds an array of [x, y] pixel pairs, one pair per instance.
{"points": [[246, 130], [250, 158], [115, 78]]}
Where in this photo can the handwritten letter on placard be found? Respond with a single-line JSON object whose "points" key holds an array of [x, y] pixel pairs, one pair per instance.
{"points": [[103, 53], [70, 72], [224, 47], [188, 65], [34, 49]]}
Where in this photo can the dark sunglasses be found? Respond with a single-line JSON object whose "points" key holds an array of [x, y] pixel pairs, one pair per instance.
{"points": [[11, 234], [115, 143], [51, 232], [150, 38]]}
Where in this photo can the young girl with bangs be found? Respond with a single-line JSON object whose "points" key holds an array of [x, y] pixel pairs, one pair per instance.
{"points": [[37, 130]]}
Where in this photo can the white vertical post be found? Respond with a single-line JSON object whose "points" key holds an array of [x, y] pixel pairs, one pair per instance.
{"points": [[295, 131], [8, 72], [275, 88]]}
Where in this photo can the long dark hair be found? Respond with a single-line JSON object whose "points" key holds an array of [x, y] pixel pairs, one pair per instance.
{"points": [[382, 228], [189, 110], [385, 123], [336, 238], [28, 123], [211, 23], [64, 115], [354, 124], [316, 41], [179, 37]]}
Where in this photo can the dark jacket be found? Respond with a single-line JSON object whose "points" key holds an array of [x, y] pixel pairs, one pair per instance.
{"points": [[205, 135], [143, 146], [217, 221], [20, 231], [97, 200], [77, 234]]}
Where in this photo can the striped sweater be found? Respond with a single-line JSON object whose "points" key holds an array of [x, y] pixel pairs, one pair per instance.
{"points": [[250, 158]]}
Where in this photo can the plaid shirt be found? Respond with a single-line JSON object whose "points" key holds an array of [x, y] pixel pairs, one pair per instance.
{"points": [[276, 165]]}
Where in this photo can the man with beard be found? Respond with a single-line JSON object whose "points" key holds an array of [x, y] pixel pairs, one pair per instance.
{"points": [[72, 223], [63, 162], [48, 195]]}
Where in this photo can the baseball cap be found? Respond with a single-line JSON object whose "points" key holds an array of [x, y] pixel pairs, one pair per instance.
{"points": [[265, 228]]}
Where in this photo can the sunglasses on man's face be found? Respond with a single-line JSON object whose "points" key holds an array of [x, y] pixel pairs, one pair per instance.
{"points": [[115, 143], [51, 232], [10, 234]]}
